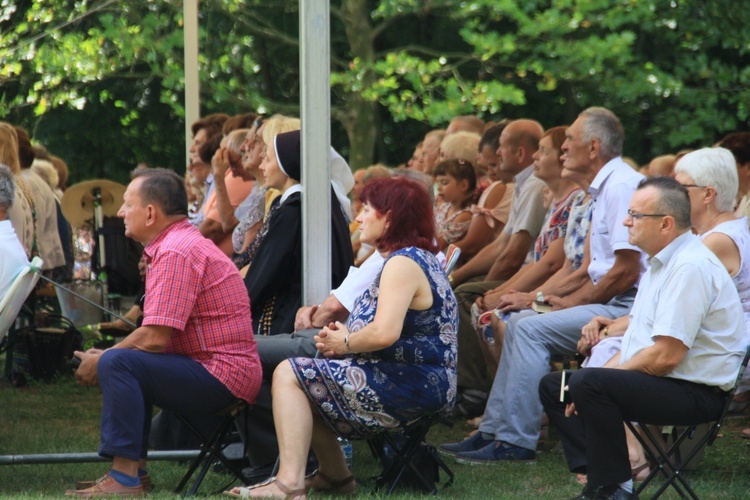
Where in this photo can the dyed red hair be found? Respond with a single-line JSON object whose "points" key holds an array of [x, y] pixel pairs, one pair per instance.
{"points": [[408, 209]]}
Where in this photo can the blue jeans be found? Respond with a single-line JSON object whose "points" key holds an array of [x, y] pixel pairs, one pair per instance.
{"points": [[514, 411], [132, 381]]}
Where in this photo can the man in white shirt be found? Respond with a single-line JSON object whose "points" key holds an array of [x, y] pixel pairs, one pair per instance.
{"points": [[680, 354], [14, 256]]}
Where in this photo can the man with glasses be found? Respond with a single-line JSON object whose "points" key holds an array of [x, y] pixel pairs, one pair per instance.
{"points": [[605, 285], [680, 353]]}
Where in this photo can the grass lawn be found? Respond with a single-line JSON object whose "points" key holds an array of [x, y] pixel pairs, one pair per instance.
{"points": [[63, 417]]}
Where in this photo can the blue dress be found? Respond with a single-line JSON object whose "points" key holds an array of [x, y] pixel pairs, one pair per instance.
{"points": [[364, 394]]}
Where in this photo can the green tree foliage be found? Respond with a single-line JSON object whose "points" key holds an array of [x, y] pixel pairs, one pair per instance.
{"points": [[105, 86]]}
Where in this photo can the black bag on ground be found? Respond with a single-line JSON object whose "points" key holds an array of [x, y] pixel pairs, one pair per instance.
{"points": [[43, 351]]}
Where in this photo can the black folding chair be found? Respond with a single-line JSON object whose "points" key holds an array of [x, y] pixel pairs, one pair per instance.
{"points": [[672, 462], [408, 451], [212, 449]]}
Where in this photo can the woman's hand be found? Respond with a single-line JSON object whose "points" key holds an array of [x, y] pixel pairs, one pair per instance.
{"points": [[330, 341], [591, 333]]}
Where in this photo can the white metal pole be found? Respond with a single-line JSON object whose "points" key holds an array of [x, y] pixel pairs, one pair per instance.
{"points": [[315, 113], [192, 83]]}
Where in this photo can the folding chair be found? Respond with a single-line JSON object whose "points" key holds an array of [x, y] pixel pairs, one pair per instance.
{"points": [[212, 449], [12, 302], [671, 462], [406, 454]]}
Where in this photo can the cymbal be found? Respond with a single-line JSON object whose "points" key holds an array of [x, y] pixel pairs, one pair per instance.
{"points": [[78, 201]]}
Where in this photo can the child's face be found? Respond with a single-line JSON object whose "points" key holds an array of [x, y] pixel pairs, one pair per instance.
{"points": [[450, 189]]}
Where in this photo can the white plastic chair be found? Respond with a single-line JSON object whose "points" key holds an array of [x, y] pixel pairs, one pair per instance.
{"points": [[12, 302]]}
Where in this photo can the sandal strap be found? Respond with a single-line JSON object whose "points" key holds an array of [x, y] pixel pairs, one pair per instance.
{"points": [[290, 493], [335, 485]]}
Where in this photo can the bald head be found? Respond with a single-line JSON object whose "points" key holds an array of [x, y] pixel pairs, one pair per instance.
{"points": [[518, 143], [466, 123], [526, 132], [661, 165]]}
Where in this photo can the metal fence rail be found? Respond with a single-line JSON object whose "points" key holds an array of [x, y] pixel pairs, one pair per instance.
{"points": [[75, 458]]}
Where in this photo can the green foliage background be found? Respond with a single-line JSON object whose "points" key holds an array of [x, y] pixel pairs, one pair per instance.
{"points": [[100, 82]]}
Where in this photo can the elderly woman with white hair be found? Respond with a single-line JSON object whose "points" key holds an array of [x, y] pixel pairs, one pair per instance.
{"points": [[710, 175], [14, 256]]}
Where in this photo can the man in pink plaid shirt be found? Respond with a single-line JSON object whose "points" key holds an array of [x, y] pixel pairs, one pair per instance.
{"points": [[194, 352]]}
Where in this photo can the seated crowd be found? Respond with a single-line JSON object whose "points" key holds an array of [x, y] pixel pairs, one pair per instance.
{"points": [[638, 268]]}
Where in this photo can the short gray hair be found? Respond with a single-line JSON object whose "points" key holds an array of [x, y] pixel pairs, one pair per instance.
{"points": [[7, 187], [714, 167], [602, 124]]}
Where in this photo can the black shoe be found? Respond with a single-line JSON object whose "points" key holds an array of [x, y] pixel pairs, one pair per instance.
{"points": [[614, 492], [258, 473], [470, 403], [588, 493]]}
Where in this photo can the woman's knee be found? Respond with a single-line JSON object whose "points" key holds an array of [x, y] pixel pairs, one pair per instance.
{"points": [[284, 376]]}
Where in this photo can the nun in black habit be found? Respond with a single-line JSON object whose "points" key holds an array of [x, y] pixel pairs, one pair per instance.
{"points": [[274, 280]]}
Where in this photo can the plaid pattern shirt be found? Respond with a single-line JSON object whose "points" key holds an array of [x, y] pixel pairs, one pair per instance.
{"points": [[194, 288]]}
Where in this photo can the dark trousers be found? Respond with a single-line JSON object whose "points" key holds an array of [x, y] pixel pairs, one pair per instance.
{"points": [[594, 440], [256, 424], [133, 381], [472, 369]]}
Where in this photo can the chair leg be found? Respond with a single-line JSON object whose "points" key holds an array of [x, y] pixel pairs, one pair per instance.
{"points": [[211, 450], [405, 456], [672, 470]]}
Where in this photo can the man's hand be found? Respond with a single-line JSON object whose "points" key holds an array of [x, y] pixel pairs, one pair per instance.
{"points": [[220, 163], [570, 410], [559, 303], [86, 374], [490, 300], [303, 320], [517, 301]]}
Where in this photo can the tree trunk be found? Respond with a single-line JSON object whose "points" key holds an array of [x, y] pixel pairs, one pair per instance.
{"points": [[358, 116]]}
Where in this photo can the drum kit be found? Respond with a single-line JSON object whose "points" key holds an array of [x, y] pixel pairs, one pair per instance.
{"points": [[83, 301]]}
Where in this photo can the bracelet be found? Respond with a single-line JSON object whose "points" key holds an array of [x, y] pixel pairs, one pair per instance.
{"points": [[605, 331], [346, 341], [450, 279]]}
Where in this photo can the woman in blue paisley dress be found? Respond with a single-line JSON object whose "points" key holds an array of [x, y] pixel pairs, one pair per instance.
{"points": [[393, 361]]}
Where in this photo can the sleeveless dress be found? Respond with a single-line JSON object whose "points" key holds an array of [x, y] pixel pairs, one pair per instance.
{"points": [[361, 395]]}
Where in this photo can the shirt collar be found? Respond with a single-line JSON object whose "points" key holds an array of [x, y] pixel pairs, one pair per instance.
{"points": [[297, 188], [523, 175], [662, 258], [153, 247], [604, 173]]}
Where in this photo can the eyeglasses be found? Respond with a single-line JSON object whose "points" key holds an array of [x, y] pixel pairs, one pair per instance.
{"points": [[687, 186], [258, 122], [636, 216]]}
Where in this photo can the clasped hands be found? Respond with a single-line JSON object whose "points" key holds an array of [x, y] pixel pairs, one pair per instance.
{"points": [[330, 340], [591, 333]]}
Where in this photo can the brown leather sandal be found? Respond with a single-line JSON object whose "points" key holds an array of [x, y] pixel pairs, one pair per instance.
{"points": [[320, 482]]}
